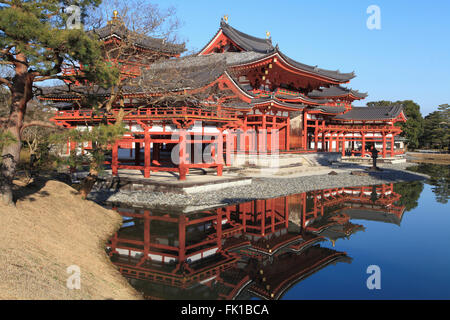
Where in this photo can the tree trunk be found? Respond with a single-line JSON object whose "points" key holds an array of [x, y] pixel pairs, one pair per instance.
{"points": [[10, 159], [88, 183], [21, 93]]}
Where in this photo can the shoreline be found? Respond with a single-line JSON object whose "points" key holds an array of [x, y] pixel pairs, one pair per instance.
{"points": [[260, 188]]}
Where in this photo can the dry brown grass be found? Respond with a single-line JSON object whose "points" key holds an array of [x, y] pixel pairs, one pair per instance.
{"points": [[435, 158], [50, 229]]}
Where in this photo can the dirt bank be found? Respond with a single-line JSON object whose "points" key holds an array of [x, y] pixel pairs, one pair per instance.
{"points": [[50, 230]]}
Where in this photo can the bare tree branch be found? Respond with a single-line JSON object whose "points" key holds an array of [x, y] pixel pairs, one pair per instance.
{"points": [[38, 123]]}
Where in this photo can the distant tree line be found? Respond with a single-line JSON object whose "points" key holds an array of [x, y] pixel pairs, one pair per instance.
{"points": [[429, 132]]}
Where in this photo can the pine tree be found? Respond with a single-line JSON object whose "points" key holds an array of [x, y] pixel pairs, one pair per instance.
{"points": [[436, 133], [36, 43], [102, 138]]}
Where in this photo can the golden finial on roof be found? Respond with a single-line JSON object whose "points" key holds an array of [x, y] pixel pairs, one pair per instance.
{"points": [[267, 34], [225, 18], [115, 17]]}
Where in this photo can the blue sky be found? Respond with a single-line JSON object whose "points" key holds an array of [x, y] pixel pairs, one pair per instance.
{"points": [[409, 58]]}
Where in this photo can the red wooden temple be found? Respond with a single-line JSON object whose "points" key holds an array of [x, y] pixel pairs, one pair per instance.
{"points": [[238, 95], [261, 247]]}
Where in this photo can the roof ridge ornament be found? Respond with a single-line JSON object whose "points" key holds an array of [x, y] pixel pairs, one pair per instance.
{"points": [[115, 18], [225, 18]]}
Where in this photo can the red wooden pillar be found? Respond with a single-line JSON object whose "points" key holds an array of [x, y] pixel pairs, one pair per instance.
{"points": [[219, 229], [229, 141], [115, 159], [262, 141], [182, 155], [244, 136], [384, 144], [272, 214], [262, 136], [242, 140], [288, 133], [146, 233], [263, 215], [304, 209], [73, 146], [363, 150], [323, 140], [315, 205], [219, 156], [330, 143], [264, 120], [343, 144], [286, 216], [147, 162], [182, 239], [322, 203], [392, 145], [305, 130], [240, 210], [316, 135]]}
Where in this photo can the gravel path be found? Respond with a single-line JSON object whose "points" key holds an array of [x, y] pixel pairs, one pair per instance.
{"points": [[261, 188]]}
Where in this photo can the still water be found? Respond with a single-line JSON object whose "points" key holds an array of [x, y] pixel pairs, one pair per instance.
{"points": [[313, 245]]}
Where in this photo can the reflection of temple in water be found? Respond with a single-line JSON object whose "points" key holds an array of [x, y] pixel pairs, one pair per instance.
{"points": [[259, 248]]}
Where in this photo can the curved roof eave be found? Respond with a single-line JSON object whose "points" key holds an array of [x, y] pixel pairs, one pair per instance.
{"points": [[326, 75]]}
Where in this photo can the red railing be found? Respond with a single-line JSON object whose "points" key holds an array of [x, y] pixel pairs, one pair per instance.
{"points": [[147, 113], [356, 127]]}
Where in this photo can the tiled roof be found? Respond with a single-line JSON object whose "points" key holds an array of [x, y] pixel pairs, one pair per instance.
{"points": [[245, 41], [371, 113], [336, 91], [337, 75], [329, 109], [144, 41]]}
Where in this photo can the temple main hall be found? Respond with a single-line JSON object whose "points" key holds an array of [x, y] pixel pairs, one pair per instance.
{"points": [[238, 96]]}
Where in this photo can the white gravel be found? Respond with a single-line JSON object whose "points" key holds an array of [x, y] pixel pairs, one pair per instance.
{"points": [[261, 188]]}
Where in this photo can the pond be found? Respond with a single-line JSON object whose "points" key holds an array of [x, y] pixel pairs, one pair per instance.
{"points": [[387, 241]]}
